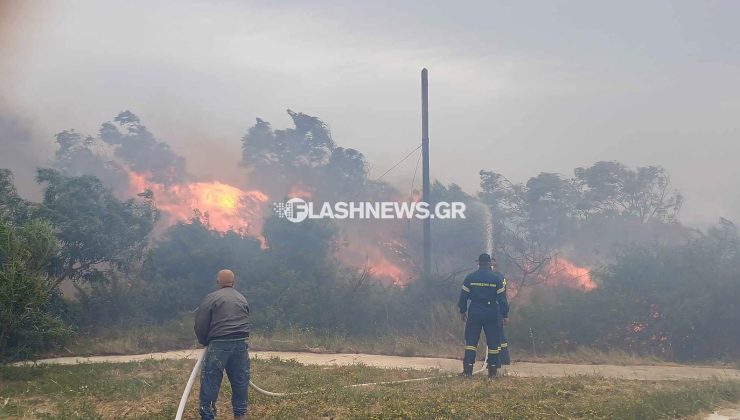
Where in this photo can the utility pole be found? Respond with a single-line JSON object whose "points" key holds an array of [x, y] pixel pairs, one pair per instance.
{"points": [[425, 169]]}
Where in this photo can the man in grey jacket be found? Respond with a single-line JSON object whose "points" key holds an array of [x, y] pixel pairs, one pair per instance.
{"points": [[222, 324]]}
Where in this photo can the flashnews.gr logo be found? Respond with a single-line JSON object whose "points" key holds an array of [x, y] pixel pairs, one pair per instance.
{"points": [[297, 210]]}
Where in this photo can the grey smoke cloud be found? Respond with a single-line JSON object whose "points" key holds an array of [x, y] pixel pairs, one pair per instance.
{"points": [[517, 88]]}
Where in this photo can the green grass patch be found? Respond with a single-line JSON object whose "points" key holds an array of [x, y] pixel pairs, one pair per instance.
{"points": [[151, 390]]}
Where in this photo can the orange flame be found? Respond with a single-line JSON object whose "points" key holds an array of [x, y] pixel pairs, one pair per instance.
{"points": [[416, 196], [226, 206], [299, 191], [562, 272], [378, 259], [229, 207], [379, 266]]}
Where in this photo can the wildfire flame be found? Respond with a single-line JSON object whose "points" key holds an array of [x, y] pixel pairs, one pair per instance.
{"points": [[299, 191], [382, 259], [379, 266], [226, 206], [562, 272]]}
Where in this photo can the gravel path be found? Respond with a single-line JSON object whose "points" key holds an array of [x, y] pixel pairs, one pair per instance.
{"points": [[523, 369]]}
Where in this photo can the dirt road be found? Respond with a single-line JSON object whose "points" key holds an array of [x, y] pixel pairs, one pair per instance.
{"points": [[524, 369]]}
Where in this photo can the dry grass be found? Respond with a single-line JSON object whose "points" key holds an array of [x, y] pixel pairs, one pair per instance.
{"points": [[174, 335], [151, 390], [177, 335]]}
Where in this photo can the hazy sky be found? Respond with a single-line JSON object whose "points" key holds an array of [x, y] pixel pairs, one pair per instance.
{"points": [[517, 87]]}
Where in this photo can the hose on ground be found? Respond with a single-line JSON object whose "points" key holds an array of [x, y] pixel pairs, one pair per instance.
{"points": [[196, 368], [399, 381], [189, 386]]}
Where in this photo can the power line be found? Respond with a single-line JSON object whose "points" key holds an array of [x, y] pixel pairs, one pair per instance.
{"points": [[411, 193], [398, 163]]}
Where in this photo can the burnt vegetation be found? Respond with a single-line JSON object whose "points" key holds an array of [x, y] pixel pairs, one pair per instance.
{"points": [[656, 287]]}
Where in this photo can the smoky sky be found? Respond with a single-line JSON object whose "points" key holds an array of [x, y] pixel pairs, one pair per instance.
{"points": [[515, 87]]}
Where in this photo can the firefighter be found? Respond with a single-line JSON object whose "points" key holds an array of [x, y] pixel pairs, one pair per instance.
{"points": [[488, 310]]}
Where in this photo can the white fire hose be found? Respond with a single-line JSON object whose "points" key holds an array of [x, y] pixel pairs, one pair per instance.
{"points": [[196, 368], [189, 386]]}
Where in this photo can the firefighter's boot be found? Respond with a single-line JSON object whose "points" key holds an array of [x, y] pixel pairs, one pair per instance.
{"points": [[491, 372], [467, 372]]}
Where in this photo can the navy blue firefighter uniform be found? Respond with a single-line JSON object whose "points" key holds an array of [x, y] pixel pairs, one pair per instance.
{"points": [[486, 291]]}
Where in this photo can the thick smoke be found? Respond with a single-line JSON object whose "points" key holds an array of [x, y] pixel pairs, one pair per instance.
{"points": [[78, 154], [20, 154], [306, 162]]}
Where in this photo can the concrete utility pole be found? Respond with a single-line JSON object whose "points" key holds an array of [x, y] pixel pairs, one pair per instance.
{"points": [[425, 169]]}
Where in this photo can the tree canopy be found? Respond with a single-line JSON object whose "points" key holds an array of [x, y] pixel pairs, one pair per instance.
{"points": [[97, 231]]}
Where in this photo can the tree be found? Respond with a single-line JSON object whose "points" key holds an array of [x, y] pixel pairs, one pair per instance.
{"points": [[552, 203], [305, 155], [98, 233], [346, 172], [535, 220], [644, 193], [675, 301], [521, 233], [13, 208], [456, 241], [143, 153], [303, 246], [189, 254], [82, 155], [287, 152], [27, 322]]}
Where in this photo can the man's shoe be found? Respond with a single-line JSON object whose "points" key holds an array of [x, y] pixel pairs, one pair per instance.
{"points": [[467, 372], [491, 372]]}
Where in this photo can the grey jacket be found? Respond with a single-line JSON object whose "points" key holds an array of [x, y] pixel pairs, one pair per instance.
{"points": [[222, 314]]}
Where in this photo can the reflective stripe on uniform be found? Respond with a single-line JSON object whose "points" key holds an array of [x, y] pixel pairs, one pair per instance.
{"points": [[465, 288], [484, 284], [504, 345], [471, 348], [493, 351], [501, 290]]}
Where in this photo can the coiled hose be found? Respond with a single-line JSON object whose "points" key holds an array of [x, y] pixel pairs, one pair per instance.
{"points": [[196, 368]]}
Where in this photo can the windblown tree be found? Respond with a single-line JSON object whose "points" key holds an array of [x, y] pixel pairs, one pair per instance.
{"points": [[291, 154], [305, 156], [134, 148], [98, 232], [136, 145]]}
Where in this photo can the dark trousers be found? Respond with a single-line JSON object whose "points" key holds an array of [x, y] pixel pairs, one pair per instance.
{"points": [[487, 319], [234, 358]]}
